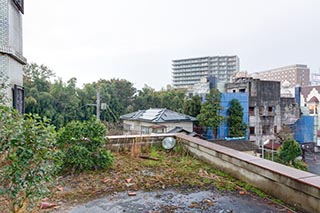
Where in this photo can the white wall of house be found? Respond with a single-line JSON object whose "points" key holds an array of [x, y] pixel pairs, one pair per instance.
{"points": [[15, 28], [135, 126], [16, 72], [15, 42]]}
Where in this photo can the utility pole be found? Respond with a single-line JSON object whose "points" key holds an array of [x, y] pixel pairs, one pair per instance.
{"points": [[272, 149], [262, 148], [98, 104]]}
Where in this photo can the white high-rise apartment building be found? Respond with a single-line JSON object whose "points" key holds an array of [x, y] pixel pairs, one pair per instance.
{"points": [[187, 72]]}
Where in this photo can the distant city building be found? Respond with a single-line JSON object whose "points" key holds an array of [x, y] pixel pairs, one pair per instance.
{"points": [[187, 72], [203, 87], [287, 90], [11, 58], [295, 74], [268, 111], [240, 74], [315, 78]]}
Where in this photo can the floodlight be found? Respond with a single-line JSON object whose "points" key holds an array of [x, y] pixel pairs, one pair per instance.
{"points": [[168, 143]]}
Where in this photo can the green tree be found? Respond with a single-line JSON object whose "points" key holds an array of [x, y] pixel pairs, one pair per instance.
{"points": [[57, 101], [27, 154], [172, 99], [36, 81], [146, 98], [118, 94], [192, 106], [37, 76], [237, 127], [210, 111], [289, 151], [66, 102], [87, 95]]}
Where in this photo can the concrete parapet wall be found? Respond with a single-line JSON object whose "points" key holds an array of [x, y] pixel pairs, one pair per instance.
{"points": [[125, 142], [297, 188]]}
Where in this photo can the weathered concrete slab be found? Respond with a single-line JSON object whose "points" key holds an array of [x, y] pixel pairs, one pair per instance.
{"points": [[177, 201]]}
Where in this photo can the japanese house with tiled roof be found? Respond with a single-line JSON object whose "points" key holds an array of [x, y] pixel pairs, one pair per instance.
{"points": [[156, 121]]}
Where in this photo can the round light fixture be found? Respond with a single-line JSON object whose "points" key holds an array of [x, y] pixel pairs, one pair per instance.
{"points": [[168, 143]]}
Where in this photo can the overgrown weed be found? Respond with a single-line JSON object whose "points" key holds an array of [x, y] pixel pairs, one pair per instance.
{"points": [[174, 168]]}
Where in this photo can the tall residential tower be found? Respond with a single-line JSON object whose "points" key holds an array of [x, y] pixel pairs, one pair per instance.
{"points": [[187, 72], [11, 58]]}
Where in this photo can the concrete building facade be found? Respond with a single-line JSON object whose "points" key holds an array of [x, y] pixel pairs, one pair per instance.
{"points": [[268, 111], [297, 74], [11, 50], [203, 87], [315, 78], [187, 72]]}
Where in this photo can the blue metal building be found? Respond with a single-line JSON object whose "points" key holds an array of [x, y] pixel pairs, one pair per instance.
{"points": [[226, 98]]}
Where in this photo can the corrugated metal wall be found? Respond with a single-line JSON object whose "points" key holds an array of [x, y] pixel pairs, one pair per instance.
{"points": [[225, 103], [304, 129], [243, 98]]}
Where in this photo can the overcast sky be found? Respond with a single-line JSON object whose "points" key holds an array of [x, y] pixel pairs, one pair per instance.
{"points": [[137, 39]]}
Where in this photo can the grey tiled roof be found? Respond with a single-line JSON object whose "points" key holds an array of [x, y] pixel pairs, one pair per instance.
{"points": [[157, 116]]}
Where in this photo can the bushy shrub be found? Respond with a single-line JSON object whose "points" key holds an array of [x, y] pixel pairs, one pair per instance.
{"points": [[78, 158], [26, 159], [288, 153], [289, 150], [299, 164], [83, 145]]}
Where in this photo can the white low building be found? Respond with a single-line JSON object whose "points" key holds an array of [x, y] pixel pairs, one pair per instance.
{"points": [[156, 121]]}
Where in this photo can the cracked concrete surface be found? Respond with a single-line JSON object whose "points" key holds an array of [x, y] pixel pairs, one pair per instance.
{"points": [[179, 201]]}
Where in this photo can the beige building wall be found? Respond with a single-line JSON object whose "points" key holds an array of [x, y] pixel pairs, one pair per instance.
{"points": [[295, 74]]}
